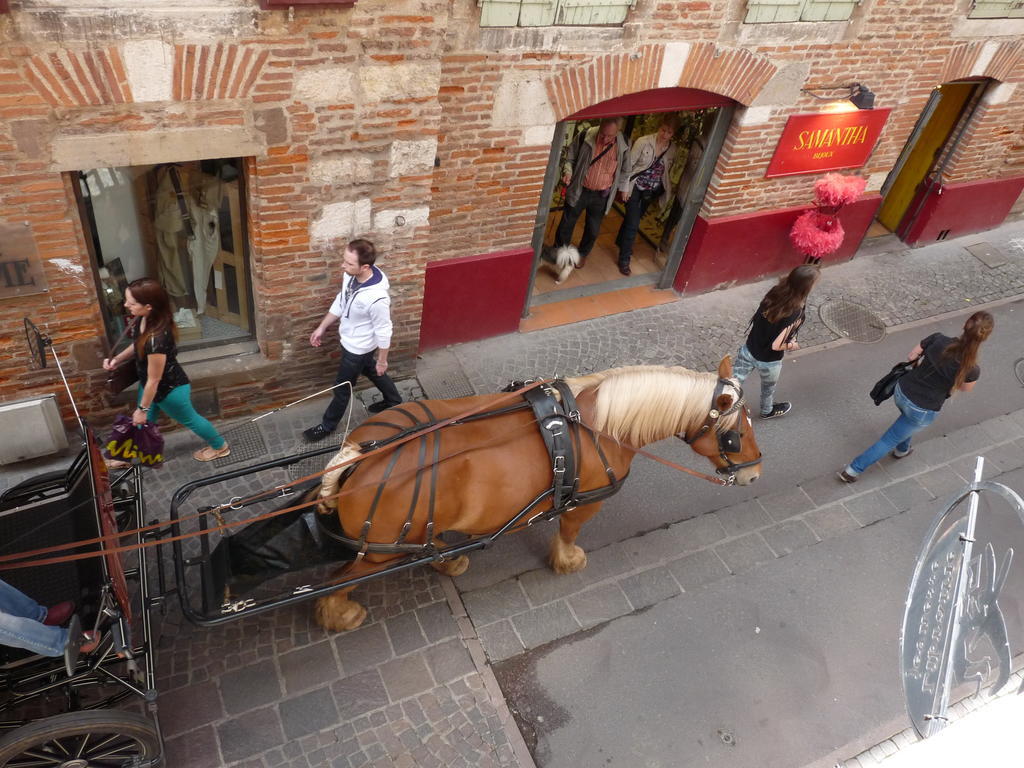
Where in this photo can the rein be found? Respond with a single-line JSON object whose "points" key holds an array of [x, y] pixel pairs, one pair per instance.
{"points": [[374, 447]]}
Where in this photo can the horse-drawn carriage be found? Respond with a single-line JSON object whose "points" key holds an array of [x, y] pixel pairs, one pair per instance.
{"points": [[425, 482]]}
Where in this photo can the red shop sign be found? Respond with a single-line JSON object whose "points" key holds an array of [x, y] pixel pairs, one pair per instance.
{"points": [[827, 141]]}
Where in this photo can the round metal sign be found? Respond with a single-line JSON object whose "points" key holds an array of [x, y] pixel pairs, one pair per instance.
{"points": [[952, 611]]}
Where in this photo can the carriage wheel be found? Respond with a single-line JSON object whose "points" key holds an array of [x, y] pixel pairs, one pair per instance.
{"points": [[81, 740]]}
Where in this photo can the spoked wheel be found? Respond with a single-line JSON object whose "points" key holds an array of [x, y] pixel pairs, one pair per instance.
{"points": [[106, 739]]}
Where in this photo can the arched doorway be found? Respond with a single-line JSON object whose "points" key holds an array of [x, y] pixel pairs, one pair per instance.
{"points": [[704, 120]]}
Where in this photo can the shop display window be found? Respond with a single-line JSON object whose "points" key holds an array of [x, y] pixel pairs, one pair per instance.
{"points": [[182, 223]]}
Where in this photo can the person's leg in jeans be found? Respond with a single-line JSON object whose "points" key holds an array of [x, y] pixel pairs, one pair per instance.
{"points": [[21, 624], [382, 382], [595, 205], [348, 370], [742, 365], [770, 373], [636, 207], [178, 405], [570, 215], [912, 419]]}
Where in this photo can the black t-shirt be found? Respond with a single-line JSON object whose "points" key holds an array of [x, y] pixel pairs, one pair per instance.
{"points": [[929, 384], [174, 374], [763, 334]]}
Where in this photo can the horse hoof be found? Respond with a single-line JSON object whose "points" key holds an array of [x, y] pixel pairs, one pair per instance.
{"points": [[453, 568], [574, 560], [339, 615]]}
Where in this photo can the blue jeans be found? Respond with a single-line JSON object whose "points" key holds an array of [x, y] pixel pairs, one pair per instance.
{"points": [[21, 624], [912, 419], [769, 372], [636, 207], [178, 405]]}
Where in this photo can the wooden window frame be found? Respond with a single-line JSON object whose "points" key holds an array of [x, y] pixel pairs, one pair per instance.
{"points": [[283, 5], [1016, 8], [802, 5]]}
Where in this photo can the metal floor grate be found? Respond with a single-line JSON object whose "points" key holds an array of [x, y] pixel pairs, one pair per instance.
{"points": [[850, 320], [313, 464], [246, 442], [444, 383]]}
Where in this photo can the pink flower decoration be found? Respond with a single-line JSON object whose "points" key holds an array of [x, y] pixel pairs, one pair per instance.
{"points": [[833, 189], [816, 234]]}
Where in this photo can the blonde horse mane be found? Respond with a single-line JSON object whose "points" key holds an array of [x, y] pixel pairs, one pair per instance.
{"points": [[642, 404]]}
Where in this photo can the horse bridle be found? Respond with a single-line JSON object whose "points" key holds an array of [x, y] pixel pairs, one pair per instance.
{"points": [[729, 440]]}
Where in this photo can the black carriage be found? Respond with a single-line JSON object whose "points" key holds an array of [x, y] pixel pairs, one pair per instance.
{"points": [[48, 717]]}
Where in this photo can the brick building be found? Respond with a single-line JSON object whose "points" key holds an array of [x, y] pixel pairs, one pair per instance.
{"points": [[227, 146]]}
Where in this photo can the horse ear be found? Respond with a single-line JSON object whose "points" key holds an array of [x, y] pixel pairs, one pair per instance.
{"points": [[723, 402], [725, 368]]}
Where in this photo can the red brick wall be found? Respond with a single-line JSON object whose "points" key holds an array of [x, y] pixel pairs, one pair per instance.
{"points": [[483, 195]]}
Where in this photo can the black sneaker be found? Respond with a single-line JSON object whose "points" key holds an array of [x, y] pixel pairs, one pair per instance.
{"points": [[379, 406], [779, 409], [846, 477], [314, 434]]}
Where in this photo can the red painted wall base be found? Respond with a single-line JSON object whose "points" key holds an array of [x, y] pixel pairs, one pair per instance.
{"points": [[960, 209], [750, 246], [474, 297]]}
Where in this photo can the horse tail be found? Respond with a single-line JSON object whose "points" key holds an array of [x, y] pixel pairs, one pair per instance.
{"points": [[330, 482]]}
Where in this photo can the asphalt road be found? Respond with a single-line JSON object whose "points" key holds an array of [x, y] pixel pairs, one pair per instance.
{"points": [[790, 664]]}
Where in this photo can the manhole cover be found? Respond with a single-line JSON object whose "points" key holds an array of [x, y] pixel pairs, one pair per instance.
{"points": [[246, 443], [851, 320]]}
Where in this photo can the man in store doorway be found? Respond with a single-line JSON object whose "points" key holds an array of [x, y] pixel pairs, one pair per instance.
{"points": [[362, 310], [594, 167]]}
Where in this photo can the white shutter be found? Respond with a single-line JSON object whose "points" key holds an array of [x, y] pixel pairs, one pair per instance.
{"points": [[988, 9], [827, 10], [764, 11], [499, 13], [593, 12], [537, 13]]}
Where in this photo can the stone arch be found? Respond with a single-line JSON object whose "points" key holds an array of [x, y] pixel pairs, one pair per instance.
{"points": [[733, 72], [983, 58]]}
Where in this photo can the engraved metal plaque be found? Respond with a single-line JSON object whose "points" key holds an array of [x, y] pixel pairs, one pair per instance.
{"points": [[954, 637]]}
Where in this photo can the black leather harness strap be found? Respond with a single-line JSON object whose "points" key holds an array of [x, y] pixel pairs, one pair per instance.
{"points": [[558, 419]]}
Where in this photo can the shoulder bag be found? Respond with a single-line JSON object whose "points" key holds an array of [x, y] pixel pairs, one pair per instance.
{"points": [[886, 385]]}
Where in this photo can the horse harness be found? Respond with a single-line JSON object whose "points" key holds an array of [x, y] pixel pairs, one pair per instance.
{"points": [[558, 420], [729, 440]]}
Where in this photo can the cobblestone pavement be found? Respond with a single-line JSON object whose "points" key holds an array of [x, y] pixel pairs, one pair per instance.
{"points": [[695, 332], [274, 690]]}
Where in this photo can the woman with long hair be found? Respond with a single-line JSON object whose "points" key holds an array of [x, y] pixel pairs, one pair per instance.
{"points": [[945, 366], [163, 385], [773, 330]]}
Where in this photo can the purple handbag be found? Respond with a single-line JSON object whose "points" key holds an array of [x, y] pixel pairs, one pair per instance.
{"points": [[142, 444]]}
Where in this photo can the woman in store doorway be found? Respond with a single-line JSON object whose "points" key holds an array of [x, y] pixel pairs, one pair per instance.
{"points": [[163, 385], [946, 366], [773, 330], [648, 180]]}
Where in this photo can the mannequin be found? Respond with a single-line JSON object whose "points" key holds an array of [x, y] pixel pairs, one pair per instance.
{"points": [[205, 246], [169, 221]]}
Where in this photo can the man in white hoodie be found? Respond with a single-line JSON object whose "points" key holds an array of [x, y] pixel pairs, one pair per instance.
{"points": [[362, 310]]}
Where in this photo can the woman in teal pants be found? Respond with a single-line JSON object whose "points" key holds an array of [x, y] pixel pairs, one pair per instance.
{"points": [[163, 385]]}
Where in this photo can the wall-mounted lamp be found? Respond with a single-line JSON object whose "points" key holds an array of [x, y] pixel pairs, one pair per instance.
{"points": [[860, 96]]}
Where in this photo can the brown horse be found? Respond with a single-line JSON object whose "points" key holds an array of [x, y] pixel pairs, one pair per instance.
{"points": [[489, 469]]}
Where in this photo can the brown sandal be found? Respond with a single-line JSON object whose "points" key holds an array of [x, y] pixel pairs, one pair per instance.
{"points": [[209, 454]]}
